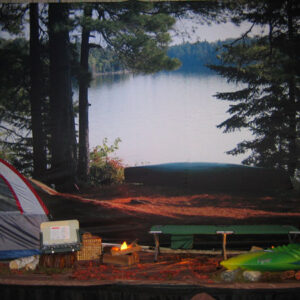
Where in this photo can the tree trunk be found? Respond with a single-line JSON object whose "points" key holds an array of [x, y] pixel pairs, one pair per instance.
{"points": [[84, 153], [38, 135], [62, 125], [292, 107]]}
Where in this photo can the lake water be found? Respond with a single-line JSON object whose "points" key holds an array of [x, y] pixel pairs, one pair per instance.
{"points": [[167, 117]]}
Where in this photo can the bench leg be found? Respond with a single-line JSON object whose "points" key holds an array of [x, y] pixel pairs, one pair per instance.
{"points": [[293, 237], [224, 246], [156, 240]]}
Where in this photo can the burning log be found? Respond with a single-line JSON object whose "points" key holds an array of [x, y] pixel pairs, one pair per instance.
{"points": [[124, 249], [123, 260], [125, 255]]}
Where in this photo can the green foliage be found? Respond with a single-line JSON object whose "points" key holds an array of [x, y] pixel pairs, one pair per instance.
{"points": [[103, 168], [6, 155], [15, 108], [265, 101], [104, 61], [12, 17], [136, 33], [15, 123], [259, 105]]}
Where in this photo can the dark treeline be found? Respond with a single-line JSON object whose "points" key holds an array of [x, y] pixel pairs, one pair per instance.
{"points": [[193, 57]]}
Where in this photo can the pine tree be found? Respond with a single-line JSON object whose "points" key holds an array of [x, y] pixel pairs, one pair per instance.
{"points": [[36, 96], [15, 124], [62, 126], [22, 95], [268, 102], [136, 33], [14, 102]]}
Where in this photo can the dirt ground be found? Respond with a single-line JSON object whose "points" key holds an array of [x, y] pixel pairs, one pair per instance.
{"points": [[183, 268], [127, 211], [171, 269]]}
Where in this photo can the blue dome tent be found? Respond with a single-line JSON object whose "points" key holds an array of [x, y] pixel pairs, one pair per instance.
{"points": [[21, 213]]}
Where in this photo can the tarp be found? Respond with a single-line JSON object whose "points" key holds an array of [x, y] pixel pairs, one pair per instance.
{"points": [[235, 229], [182, 235], [182, 241]]}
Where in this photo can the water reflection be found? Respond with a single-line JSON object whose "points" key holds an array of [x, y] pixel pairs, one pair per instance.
{"points": [[167, 117], [109, 79]]}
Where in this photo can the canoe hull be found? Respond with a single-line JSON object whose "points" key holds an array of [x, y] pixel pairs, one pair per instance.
{"points": [[281, 258]]}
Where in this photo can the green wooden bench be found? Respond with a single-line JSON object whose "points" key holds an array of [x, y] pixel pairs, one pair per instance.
{"points": [[182, 235]]}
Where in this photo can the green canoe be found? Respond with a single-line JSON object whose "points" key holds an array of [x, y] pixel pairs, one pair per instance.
{"points": [[281, 258]]}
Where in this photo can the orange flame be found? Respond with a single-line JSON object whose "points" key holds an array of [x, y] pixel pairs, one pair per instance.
{"points": [[124, 246]]}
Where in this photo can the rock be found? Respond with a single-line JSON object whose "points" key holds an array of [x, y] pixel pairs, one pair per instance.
{"points": [[252, 276], [230, 275]]}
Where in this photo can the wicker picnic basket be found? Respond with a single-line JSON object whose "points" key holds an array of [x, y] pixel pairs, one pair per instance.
{"points": [[91, 247]]}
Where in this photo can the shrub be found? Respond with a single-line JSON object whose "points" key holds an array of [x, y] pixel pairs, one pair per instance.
{"points": [[105, 169]]}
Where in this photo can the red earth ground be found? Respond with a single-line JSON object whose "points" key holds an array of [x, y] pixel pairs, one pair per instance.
{"points": [[128, 211]]}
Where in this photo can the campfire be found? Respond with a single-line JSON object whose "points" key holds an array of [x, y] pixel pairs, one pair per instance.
{"points": [[124, 255], [124, 246]]}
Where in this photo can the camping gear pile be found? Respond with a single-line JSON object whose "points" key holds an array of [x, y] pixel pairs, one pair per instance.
{"points": [[29, 239], [26, 232]]}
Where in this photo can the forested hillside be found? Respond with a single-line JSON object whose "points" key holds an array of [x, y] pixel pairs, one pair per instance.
{"points": [[194, 58]]}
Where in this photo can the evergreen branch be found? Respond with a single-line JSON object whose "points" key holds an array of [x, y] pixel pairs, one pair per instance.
{"points": [[12, 131], [243, 36], [93, 45]]}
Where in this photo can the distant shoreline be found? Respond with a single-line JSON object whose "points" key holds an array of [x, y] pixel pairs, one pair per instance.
{"points": [[111, 73]]}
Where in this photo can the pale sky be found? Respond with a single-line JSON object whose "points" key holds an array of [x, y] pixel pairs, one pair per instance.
{"points": [[190, 31]]}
